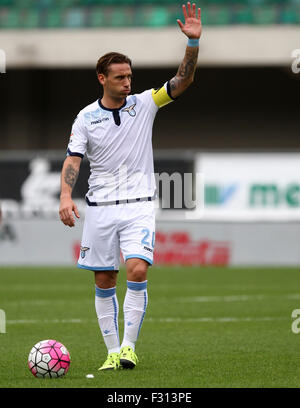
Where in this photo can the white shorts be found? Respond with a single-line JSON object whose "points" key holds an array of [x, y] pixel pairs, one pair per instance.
{"points": [[109, 229]]}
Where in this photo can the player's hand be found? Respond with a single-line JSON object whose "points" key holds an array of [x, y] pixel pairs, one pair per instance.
{"points": [[66, 210], [192, 26]]}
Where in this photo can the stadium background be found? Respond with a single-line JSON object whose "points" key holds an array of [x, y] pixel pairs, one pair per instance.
{"points": [[226, 281]]}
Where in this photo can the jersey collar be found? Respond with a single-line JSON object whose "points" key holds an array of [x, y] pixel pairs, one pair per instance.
{"points": [[112, 110]]}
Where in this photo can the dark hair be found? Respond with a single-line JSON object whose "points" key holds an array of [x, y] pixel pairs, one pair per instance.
{"points": [[111, 58]]}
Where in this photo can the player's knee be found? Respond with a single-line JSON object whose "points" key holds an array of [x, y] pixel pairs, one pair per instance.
{"points": [[137, 272], [105, 279]]}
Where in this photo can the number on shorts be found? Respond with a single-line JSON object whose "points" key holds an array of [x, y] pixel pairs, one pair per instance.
{"points": [[153, 239], [147, 233], [146, 237]]}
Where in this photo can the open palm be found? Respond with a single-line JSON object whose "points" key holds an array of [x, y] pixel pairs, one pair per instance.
{"points": [[192, 27]]}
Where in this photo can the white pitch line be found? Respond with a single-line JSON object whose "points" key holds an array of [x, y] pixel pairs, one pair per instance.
{"points": [[196, 299], [43, 302], [237, 298], [35, 321], [215, 319], [156, 320], [39, 287]]}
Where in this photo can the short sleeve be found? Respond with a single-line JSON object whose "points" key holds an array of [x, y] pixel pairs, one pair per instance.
{"points": [[78, 139], [162, 96]]}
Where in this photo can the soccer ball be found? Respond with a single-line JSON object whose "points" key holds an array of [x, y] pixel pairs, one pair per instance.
{"points": [[49, 359]]}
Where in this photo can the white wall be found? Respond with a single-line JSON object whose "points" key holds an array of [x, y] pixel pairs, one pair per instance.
{"points": [[49, 242], [235, 45]]}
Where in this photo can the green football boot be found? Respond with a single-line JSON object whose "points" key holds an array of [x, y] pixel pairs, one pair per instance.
{"points": [[111, 363], [128, 358]]}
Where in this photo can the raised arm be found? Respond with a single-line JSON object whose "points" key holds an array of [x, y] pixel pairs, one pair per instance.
{"points": [[192, 28], [69, 177]]}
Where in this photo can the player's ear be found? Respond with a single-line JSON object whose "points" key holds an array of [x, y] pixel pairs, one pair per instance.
{"points": [[101, 78]]}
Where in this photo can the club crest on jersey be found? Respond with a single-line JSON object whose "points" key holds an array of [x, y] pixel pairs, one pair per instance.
{"points": [[130, 110], [83, 251]]}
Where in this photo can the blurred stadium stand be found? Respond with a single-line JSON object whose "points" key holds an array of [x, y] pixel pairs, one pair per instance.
{"points": [[51, 69], [140, 13], [228, 108]]}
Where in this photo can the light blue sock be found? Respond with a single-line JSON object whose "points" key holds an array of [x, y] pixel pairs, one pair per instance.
{"points": [[135, 304], [107, 309]]}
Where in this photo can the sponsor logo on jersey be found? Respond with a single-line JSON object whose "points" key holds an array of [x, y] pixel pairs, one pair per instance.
{"points": [[130, 110], [94, 117], [94, 122]]}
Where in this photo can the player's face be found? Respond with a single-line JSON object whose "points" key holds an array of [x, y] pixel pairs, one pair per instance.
{"points": [[117, 84]]}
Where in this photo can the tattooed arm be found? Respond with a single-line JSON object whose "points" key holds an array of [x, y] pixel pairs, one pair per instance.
{"points": [[185, 74], [192, 28], [69, 176]]}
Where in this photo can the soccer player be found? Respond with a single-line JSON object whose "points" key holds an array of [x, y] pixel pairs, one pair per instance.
{"points": [[115, 132]]}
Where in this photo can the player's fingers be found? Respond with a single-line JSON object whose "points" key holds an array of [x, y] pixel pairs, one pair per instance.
{"points": [[76, 212], [199, 13], [62, 215], [66, 217], [184, 11], [69, 221], [70, 215], [180, 24], [194, 10], [189, 10]]}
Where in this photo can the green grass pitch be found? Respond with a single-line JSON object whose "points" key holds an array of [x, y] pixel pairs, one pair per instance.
{"points": [[204, 327]]}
